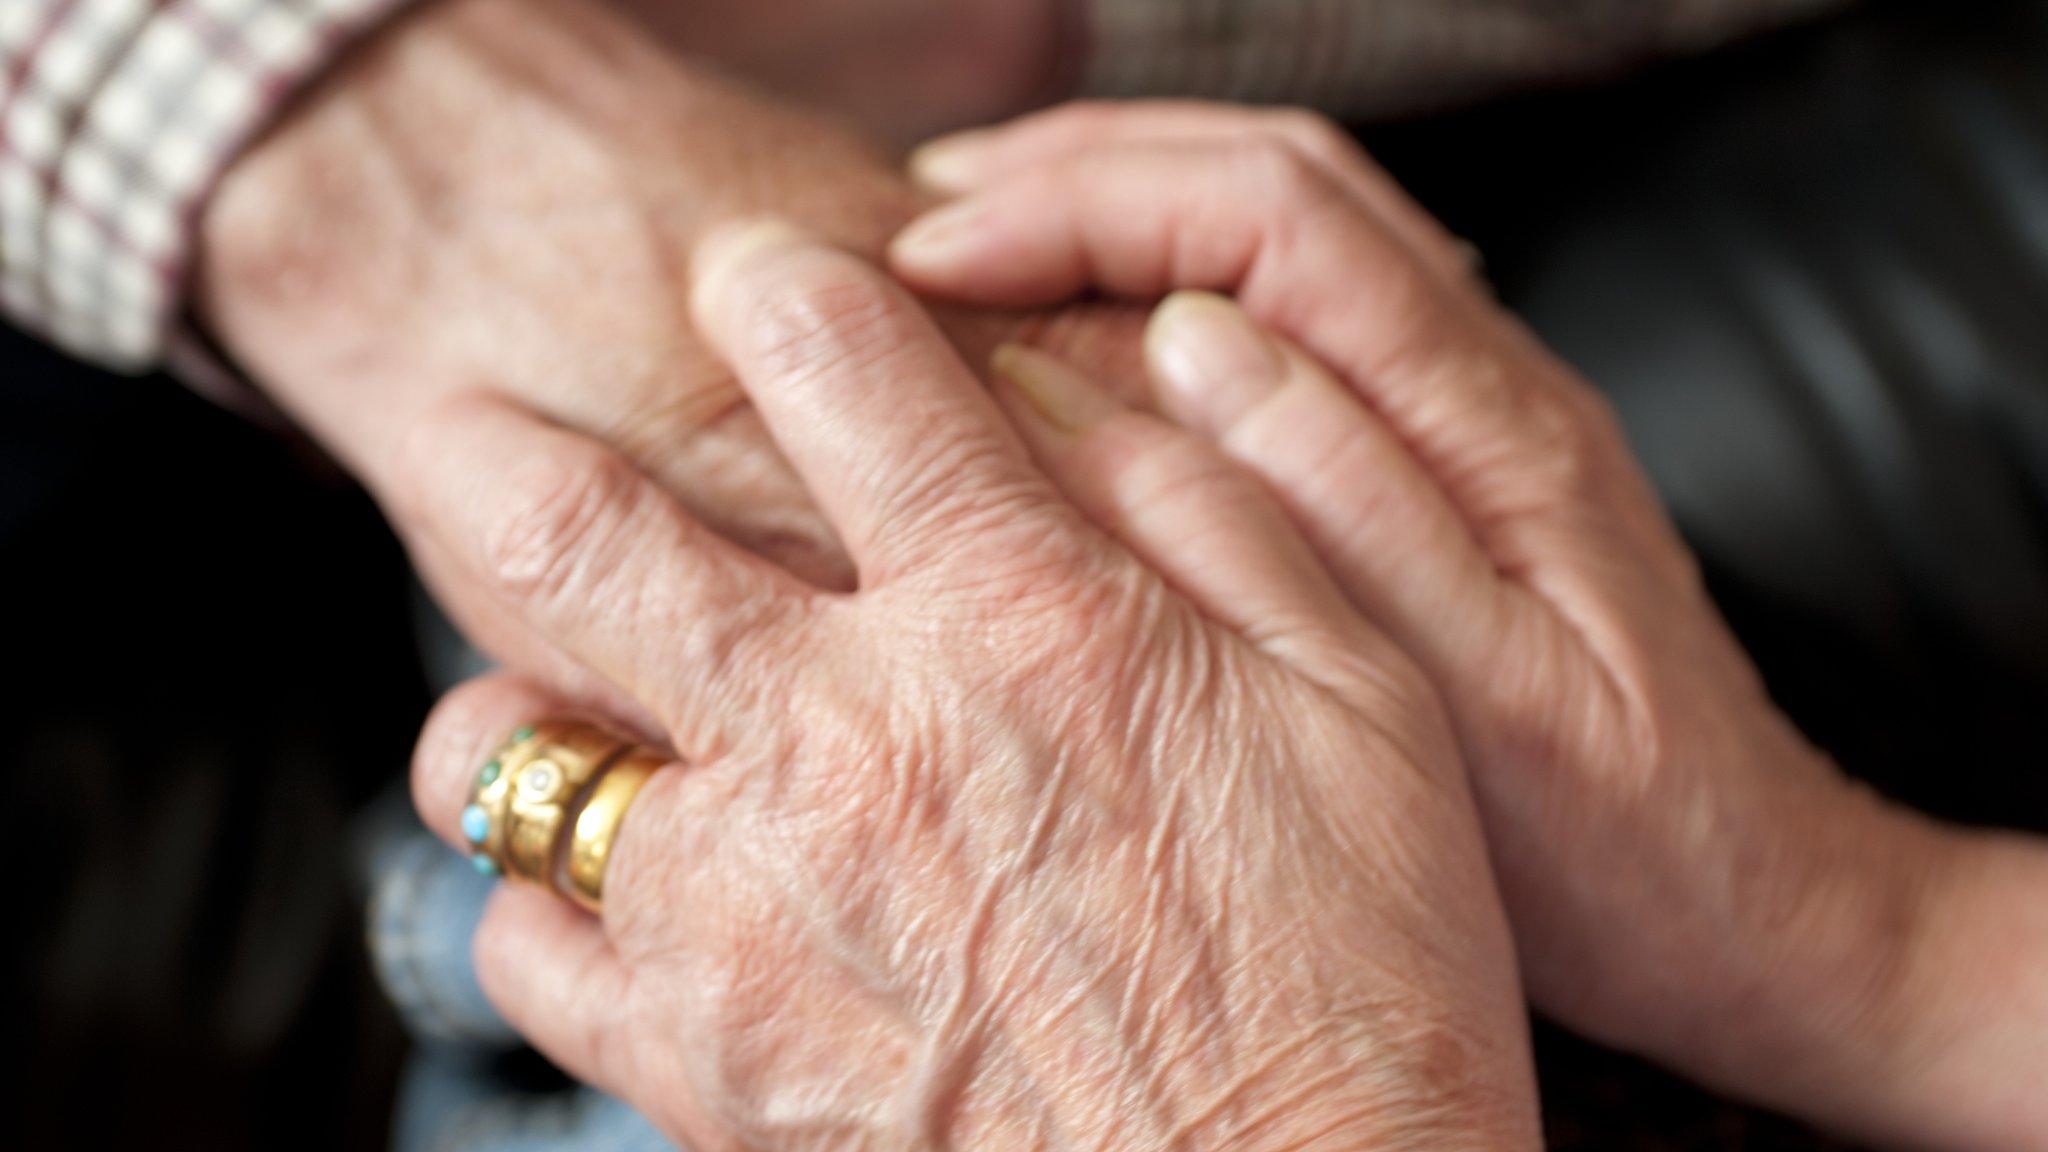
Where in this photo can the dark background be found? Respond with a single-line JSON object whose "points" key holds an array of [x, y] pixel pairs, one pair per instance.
{"points": [[1811, 271]]}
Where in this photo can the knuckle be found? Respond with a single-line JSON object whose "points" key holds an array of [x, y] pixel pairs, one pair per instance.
{"points": [[558, 513], [1315, 134], [735, 644]]}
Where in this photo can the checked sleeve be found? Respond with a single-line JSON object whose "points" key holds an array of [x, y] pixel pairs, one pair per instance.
{"points": [[116, 118]]}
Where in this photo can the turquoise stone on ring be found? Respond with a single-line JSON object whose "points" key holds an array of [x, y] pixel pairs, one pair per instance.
{"points": [[489, 775], [476, 824], [484, 865]]}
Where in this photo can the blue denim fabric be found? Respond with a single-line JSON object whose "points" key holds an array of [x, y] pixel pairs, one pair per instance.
{"points": [[452, 1102], [425, 904]]}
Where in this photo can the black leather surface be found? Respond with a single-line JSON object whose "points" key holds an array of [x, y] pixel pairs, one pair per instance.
{"points": [[1812, 273]]}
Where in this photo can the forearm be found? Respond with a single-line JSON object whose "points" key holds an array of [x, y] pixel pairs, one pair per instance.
{"points": [[1971, 1024], [1915, 1015]]}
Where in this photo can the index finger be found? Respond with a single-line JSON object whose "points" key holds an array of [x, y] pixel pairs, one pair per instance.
{"points": [[898, 441]]}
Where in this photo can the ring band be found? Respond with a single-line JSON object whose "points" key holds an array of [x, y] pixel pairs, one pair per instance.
{"points": [[545, 807], [597, 826], [540, 776]]}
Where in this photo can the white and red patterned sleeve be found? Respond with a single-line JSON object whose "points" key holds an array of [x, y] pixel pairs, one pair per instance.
{"points": [[116, 117], [1361, 56]]}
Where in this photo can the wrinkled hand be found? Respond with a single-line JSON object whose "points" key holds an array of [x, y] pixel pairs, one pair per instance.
{"points": [[501, 195], [1687, 877], [1043, 837]]}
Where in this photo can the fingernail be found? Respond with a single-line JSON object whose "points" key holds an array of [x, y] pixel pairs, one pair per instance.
{"points": [[730, 244], [939, 237], [1068, 400], [1209, 360], [950, 163]]}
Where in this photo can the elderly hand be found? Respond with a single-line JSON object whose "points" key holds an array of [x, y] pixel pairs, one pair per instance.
{"points": [[502, 194], [1042, 837], [1687, 877]]}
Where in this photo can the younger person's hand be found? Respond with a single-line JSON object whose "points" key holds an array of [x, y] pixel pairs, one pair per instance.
{"points": [[1688, 878]]}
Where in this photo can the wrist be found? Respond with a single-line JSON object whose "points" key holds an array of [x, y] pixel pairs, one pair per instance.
{"points": [[1922, 1019], [282, 278], [344, 258], [1786, 990], [363, 255], [1967, 1019]]}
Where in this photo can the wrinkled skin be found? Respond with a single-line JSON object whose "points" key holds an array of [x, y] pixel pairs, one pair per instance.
{"points": [[487, 217], [1044, 837], [1687, 877], [503, 194]]}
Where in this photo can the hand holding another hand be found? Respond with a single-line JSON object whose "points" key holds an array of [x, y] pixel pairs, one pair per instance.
{"points": [[1687, 877], [469, 252], [1044, 836]]}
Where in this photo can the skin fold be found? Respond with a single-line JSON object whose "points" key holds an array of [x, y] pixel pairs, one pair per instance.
{"points": [[1687, 877], [1094, 818]]}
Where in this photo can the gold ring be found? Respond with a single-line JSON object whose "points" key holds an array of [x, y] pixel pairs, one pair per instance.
{"points": [[597, 825], [542, 784]]}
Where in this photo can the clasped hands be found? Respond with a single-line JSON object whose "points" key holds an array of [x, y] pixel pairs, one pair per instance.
{"points": [[1221, 771], [1143, 792]]}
